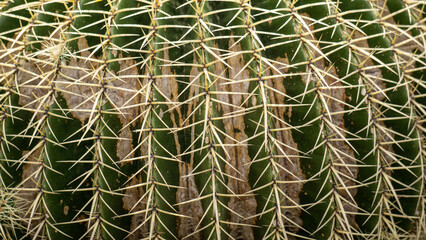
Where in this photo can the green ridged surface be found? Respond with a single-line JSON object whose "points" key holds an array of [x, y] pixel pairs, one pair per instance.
{"points": [[210, 159], [356, 117], [45, 23], [14, 121], [109, 177], [305, 119], [16, 17], [87, 25], [61, 168], [399, 118], [264, 168], [195, 119], [159, 163], [411, 22]]}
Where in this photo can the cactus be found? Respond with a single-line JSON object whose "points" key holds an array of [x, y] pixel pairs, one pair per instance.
{"points": [[223, 119]]}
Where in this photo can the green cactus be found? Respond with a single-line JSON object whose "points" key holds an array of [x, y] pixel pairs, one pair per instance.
{"points": [[222, 119]]}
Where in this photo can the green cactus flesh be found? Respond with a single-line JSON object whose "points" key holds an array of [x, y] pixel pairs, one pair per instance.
{"points": [[222, 119]]}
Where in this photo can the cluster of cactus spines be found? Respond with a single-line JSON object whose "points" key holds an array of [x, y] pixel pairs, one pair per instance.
{"points": [[108, 105], [11, 225]]}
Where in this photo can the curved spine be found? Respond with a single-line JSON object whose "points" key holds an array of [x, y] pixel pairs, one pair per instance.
{"points": [[318, 132]]}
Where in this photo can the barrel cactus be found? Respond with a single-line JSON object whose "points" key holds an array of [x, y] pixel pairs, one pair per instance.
{"points": [[220, 119]]}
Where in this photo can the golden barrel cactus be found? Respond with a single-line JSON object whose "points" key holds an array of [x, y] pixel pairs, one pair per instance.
{"points": [[221, 119]]}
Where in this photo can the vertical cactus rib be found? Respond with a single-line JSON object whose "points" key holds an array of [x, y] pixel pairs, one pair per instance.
{"points": [[126, 33], [14, 121], [264, 148], [165, 162], [92, 27], [52, 213], [329, 29], [373, 225], [126, 30], [106, 205], [109, 217], [160, 167], [409, 22], [356, 120], [209, 153], [41, 214], [20, 114], [109, 178], [264, 170], [61, 201], [407, 160], [412, 21], [57, 203], [306, 113]]}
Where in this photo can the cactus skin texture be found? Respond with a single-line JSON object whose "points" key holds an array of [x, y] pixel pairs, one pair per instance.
{"points": [[222, 119]]}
